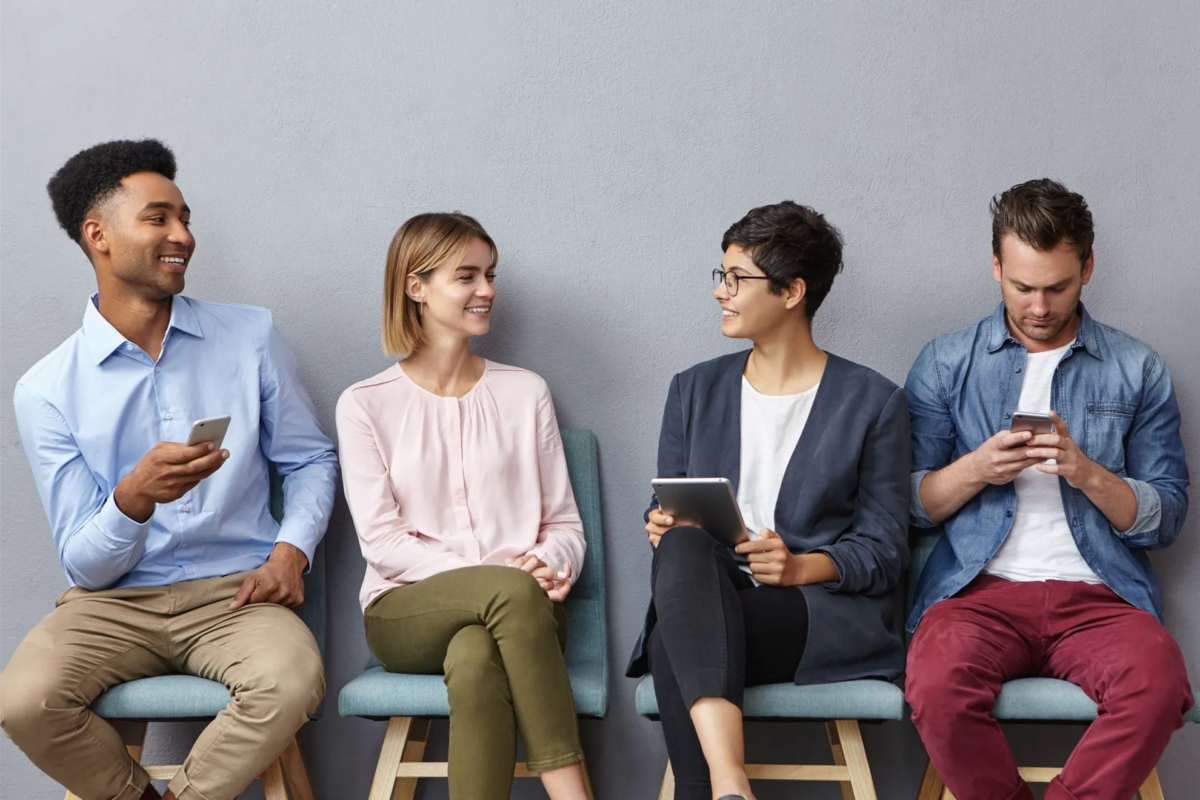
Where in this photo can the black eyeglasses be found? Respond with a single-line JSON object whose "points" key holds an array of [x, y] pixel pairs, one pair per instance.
{"points": [[732, 279]]}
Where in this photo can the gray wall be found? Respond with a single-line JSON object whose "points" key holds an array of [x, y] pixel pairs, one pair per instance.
{"points": [[606, 146]]}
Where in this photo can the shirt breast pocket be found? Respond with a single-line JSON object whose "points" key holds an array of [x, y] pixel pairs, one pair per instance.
{"points": [[1107, 426]]}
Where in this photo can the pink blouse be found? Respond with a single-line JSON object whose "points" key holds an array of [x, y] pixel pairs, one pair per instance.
{"points": [[437, 483]]}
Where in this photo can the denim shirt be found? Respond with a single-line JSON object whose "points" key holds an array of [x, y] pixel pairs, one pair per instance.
{"points": [[1115, 395]]}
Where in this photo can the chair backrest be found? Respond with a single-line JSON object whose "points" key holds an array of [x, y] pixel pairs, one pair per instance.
{"points": [[587, 631], [922, 540], [313, 610]]}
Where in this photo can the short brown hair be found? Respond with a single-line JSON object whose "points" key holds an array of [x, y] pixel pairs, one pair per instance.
{"points": [[422, 244], [1043, 214]]}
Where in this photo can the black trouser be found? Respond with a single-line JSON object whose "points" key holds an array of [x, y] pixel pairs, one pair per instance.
{"points": [[716, 634]]}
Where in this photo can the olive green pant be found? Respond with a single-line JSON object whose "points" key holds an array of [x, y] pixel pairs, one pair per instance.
{"points": [[499, 640]]}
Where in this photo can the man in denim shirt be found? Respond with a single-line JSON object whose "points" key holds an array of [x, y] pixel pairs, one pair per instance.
{"points": [[1043, 569]]}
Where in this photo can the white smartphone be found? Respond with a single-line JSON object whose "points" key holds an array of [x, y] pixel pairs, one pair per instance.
{"points": [[209, 430]]}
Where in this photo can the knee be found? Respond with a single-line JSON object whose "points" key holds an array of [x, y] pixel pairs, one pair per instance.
{"points": [[1153, 684], [290, 682], [685, 544], [33, 703], [943, 683]]}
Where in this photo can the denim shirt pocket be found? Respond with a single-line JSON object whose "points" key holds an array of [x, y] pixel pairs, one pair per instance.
{"points": [[1105, 429]]}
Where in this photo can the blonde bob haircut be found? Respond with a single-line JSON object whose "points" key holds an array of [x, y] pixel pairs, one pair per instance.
{"points": [[422, 244]]}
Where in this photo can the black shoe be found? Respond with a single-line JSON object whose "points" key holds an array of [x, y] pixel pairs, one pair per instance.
{"points": [[732, 797]]}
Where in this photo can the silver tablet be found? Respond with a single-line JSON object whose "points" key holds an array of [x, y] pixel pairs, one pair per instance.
{"points": [[707, 503]]}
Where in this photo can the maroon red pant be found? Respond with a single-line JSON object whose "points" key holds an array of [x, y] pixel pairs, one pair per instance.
{"points": [[997, 630]]}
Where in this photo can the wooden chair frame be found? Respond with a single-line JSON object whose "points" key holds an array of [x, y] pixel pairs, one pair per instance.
{"points": [[290, 764], [849, 767], [402, 761], [932, 787]]}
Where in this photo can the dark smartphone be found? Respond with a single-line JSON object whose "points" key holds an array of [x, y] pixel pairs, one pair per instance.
{"points": [[1030, 421]]}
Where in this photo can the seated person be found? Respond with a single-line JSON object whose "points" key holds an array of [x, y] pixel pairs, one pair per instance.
{"points": [[816, 448], [1043, 570], [175, 561], [455, 474]]}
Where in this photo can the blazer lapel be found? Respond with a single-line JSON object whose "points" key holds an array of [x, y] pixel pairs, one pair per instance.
{"points": [[729, 398]]}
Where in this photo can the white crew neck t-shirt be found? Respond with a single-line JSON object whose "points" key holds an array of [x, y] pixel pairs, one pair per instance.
{"points": [[771, 428], [1040, 546]]}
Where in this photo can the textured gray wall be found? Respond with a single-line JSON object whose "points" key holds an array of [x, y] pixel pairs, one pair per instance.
{"points": [[606, 146]]}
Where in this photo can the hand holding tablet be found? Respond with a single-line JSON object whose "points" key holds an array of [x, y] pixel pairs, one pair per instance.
{"points": [[707, 503]]}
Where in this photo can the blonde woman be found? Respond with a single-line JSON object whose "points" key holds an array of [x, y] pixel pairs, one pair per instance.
{"points": [[456, 478]]}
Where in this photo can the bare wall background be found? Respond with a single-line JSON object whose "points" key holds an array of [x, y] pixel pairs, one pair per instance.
{"points": [[606, 146]]}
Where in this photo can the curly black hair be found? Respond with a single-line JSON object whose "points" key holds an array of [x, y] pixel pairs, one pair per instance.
{"points": [[93, 175], [788, 241]]}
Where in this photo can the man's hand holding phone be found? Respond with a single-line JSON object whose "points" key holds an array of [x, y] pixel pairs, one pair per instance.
{"points": [[1069, 461], [165, 474], [1002, 457]]}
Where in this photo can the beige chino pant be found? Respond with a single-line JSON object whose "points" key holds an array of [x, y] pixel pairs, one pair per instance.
{"points": [[263, 653]]}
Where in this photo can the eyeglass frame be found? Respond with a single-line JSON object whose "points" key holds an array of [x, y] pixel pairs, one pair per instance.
{"points": [[737, 279]]}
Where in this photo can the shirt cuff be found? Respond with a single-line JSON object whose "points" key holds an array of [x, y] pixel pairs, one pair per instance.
{"points": [[1149, 510], [304, 541], [919, 515], [113, 522]]}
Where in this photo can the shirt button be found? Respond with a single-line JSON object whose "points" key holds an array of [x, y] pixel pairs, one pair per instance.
{"points": [[159, 369], [1008, 513], [128, 346], [1007, 415], [191, 570], [1018, 369], [168, 416]]}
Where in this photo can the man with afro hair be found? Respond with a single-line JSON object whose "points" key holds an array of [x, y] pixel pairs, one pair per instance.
{"points": [[175, 562]]}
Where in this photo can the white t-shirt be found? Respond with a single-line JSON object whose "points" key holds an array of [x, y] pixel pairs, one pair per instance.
{"points": [[771, 427], [1040, 546]]}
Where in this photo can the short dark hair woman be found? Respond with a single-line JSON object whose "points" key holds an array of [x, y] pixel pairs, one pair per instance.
{"points": [[817, 450]]}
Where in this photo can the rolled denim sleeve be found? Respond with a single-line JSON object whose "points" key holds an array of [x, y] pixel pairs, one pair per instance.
{"points": [[1155, 465], [292, 438], [933, 433]]}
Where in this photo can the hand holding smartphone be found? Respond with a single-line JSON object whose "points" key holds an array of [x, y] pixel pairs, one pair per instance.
{"points": [[1031, 421], [212, 430]]}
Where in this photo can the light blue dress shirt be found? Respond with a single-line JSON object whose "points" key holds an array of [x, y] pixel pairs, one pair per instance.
{"points": [[91, 409]]}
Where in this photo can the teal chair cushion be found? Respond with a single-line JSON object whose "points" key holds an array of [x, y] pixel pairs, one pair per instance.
{"points": [[378, 694], [184, 697], [1050, 700], [163, 698], [859, 700]]}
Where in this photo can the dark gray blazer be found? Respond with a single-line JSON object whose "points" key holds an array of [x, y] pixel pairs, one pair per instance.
{"points": [[845, 493]]}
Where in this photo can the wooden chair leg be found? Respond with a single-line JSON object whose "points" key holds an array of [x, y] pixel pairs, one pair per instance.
{"points": [[1151, 789], [292, 762], [414, 751], [856, 759], [931, 784], [667, 792], [272, 781], [839, 758], [390, 755]]}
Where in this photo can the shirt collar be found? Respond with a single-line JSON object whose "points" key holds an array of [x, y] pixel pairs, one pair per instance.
{"points": [[103, 339], [999, 335]]}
